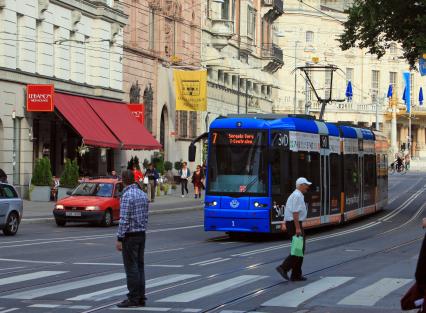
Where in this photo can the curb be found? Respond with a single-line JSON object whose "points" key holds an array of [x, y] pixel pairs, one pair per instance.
{"points": [[39, 220]]}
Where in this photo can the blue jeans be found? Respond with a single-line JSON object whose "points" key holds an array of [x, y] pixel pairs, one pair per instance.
{"points": [[133, 260]]}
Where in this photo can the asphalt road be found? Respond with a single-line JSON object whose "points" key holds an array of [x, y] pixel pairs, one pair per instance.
{"points": [[365, 266]]}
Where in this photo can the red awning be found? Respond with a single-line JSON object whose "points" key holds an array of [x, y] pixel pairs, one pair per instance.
{"points": [[85, 121], [131, 133]]}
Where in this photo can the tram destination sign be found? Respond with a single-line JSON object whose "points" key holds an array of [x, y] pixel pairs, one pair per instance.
{"points": [[234, 138]]}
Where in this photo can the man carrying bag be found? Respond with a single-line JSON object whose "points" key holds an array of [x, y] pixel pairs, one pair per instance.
{"points": [[294, 214]]}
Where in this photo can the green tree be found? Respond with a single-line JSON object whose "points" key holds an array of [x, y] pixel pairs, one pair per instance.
{"points": [[69, 177], [42, 174], [168, 166], [178, 165], [375, 24]]}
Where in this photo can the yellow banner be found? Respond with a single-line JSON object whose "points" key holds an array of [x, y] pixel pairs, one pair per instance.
{"points": [[191, 90]]}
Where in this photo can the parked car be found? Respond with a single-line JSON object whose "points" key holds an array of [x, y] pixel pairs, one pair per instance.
{"points": [[95, 201], [11, 209]]}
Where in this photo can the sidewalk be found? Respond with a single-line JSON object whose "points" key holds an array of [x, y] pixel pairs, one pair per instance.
{"points": [[36, 212], [418, 165]]}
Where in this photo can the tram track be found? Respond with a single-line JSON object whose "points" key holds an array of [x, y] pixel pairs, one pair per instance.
{"points": [[259, 291]]}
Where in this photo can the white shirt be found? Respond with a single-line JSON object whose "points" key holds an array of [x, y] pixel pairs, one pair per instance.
{"points": [[184, 173], [295, 203]]}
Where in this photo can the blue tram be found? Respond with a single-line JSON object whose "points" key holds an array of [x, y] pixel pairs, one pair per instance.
{"points": [[253, 163]]}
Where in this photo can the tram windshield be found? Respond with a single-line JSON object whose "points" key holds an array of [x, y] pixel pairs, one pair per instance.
{"points": [[237, 163]]}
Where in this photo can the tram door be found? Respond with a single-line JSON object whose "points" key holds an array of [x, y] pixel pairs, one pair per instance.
{"points": [[325, 179]]}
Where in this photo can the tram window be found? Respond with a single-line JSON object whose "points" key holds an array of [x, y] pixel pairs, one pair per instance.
{"points": [[369, 178], [351, 180], [335, 181], [276, 172], [314, 173]]}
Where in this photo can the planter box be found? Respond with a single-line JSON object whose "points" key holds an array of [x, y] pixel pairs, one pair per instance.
{"points": [[40, 193], [62, 192]]}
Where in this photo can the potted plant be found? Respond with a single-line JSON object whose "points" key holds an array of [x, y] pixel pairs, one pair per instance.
{"points": [[69, 178], [41, 182]]}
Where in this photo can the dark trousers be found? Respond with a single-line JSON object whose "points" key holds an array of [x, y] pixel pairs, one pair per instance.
{"points": [[133, 259], [294, 263], [184, 184], [151, 189]]}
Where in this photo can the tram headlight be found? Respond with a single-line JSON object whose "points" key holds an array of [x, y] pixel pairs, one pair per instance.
{"points": [[256, 204], [214, 203], [259, 205]]}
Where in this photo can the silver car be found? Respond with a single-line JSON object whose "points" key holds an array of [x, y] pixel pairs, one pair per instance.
{"points": [[11, 208]]}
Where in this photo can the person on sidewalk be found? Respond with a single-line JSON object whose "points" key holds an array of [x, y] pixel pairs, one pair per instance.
{"points": [[197, 180], [294, 214], [184, 174], [131, 239], [138, 176], [152, 175]]}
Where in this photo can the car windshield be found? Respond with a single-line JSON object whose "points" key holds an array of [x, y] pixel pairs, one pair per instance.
{"points": [[93, 189], [236, 163]]}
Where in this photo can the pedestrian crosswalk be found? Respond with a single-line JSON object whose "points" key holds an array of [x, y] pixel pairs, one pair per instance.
{"points": [[87, 291]]}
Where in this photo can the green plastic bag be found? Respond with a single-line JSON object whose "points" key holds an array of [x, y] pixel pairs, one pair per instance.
{"points": [[297, 246]]}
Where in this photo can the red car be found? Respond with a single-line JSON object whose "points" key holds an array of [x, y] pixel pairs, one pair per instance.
{"points": [[95, 201]]}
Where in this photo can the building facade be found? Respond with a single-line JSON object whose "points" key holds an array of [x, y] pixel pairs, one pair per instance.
{"points": [[313, 42], [162, 36], [76, 46], [241, 56]]}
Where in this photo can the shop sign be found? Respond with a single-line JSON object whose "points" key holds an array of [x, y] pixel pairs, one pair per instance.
{"points": [[40, 98], [138, 111]]}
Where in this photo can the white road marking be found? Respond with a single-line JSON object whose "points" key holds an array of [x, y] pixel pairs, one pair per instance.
{"points": [[83, 238], [371, 294], [201, 262], [11, 268], [47, 306], [40, 292], [217, 261], [120, 290], [30, 276], [213, 288], [106, 264], [295, 297], [30, 261], [164, 265], [9, 310], [163, 250], [146, 308], [191, 310]]}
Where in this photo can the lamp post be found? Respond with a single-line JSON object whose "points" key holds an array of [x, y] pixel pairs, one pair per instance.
{"points": [[295, 77]]}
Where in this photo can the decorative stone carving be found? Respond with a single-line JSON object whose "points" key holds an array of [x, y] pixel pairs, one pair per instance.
{"points": [[75, 19], [42, 7], [135, 93], [115, 30]]}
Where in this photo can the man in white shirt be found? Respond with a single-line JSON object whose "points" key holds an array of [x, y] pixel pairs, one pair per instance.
{"points": [[294, 214]]}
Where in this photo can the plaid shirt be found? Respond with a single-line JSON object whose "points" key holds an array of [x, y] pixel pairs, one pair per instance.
{"points": [[133, 211]]}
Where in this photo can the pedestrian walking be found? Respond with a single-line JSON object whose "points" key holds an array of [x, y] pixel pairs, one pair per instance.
{"points": [[294, 214], [152, 175], [138, 175], [131, 239], [184, 174], [197, 180]]}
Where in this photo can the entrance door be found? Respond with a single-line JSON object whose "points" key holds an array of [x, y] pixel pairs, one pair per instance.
{"points": [[325, 187]]}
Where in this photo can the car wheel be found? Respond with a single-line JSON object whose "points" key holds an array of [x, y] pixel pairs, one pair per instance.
{"points": [[12, 224], [60, 223], [107, 221]]}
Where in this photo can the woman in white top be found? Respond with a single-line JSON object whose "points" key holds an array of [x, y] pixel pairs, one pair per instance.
{"points": [[184, 174]]}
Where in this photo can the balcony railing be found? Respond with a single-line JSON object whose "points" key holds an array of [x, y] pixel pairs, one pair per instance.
{"points": [[222, 31], [274, 54], [277, 9]]}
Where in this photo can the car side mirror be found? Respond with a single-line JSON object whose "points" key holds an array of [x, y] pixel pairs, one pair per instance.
{"points": [[69, 192]]}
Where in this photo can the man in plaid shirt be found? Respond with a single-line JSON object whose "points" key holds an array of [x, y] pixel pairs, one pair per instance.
{"points": [[131, 239]]}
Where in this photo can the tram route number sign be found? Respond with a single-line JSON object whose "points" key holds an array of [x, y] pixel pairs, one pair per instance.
{"points": [[233, 138]]}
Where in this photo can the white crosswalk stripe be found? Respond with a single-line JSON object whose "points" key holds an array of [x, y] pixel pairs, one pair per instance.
{"points": [[40, 292], [30, 276], [297, 296], [122, 289], [213, 289], [372, 294]]}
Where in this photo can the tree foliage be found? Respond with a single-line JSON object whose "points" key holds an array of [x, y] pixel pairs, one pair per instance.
{"points": [[42, 173], [375, 24], [69, 178]]}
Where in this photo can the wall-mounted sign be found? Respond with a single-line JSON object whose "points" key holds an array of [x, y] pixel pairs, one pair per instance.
{"points": [[40, 98], [138, 111]]}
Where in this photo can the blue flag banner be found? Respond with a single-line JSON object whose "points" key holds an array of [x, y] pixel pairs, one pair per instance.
{"points": [[422, 66], [407, 99], [421, 96], [390, 92], [349, 93]]}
